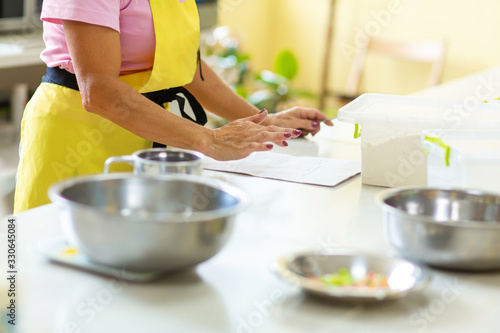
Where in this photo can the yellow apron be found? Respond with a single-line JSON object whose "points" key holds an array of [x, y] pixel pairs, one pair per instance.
{"points": [[60, 139]]}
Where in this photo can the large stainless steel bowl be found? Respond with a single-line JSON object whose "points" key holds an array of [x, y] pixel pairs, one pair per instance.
{"points": [[147, 223], [443, 227]]}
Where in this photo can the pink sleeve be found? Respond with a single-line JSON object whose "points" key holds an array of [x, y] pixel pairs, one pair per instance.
{"points": [[99, 12]]}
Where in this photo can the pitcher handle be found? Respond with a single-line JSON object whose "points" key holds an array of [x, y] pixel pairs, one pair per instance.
{"points": [[115, 159]]}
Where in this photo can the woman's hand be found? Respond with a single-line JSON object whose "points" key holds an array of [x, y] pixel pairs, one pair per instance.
{"points": [[306, 119], [241, 137]]}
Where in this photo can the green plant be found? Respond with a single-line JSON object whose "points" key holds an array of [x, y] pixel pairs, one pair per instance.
{"points": [[222, 51], [274, 87]]}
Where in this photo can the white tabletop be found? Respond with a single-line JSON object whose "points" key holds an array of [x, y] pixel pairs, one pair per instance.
{"points": [[237, 291]]}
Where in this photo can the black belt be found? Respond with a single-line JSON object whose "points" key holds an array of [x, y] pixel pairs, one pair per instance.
{"points": [[64, 78]]}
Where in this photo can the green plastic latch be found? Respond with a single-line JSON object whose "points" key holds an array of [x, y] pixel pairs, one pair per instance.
{"points": [[441, 144], [357, 131]]}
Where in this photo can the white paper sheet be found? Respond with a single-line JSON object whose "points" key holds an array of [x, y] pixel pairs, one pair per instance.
{"points": [[306, 170]]}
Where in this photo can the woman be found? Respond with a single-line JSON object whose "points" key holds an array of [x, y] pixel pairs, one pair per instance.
{"points": [[108, 61]]}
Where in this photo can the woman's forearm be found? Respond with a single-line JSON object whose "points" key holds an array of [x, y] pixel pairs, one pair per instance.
{"points": [[152, 122]]}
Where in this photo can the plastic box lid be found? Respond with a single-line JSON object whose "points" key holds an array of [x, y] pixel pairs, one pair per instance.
{"points": [[376, 108]]}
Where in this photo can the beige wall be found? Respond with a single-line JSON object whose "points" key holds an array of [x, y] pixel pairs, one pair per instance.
{"points": [[471, 29]]}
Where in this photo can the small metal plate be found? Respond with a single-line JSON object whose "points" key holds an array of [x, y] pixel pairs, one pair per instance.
{"points": [[303, 269]]}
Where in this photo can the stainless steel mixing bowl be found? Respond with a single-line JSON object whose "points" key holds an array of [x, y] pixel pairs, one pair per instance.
{"points": [[443, 227], [147, 223]]}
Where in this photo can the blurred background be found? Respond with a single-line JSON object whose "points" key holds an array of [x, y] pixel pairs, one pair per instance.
{"points": [[266, 28]]}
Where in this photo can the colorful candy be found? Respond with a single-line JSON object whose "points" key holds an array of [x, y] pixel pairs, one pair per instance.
{"points": [[344, 278]]}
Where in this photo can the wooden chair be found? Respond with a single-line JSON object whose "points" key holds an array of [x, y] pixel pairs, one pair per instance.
{"points": [[431, 51]]}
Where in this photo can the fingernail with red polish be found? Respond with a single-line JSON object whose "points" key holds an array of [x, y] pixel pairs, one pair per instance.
{"points": [[315, 124], [285, 143], [297, 132], [263, 110], [288, 135], [269, 146]]}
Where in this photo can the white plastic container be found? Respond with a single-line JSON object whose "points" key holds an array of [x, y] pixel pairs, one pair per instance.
{"points": [[391, 126], [463, 158]]}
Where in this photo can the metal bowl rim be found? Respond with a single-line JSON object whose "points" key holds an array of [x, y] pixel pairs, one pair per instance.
{"points": [[196, 162], [474, 224], [55, 195]]}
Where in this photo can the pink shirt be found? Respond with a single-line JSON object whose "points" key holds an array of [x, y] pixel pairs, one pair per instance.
{"points": [[131, 18]]}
